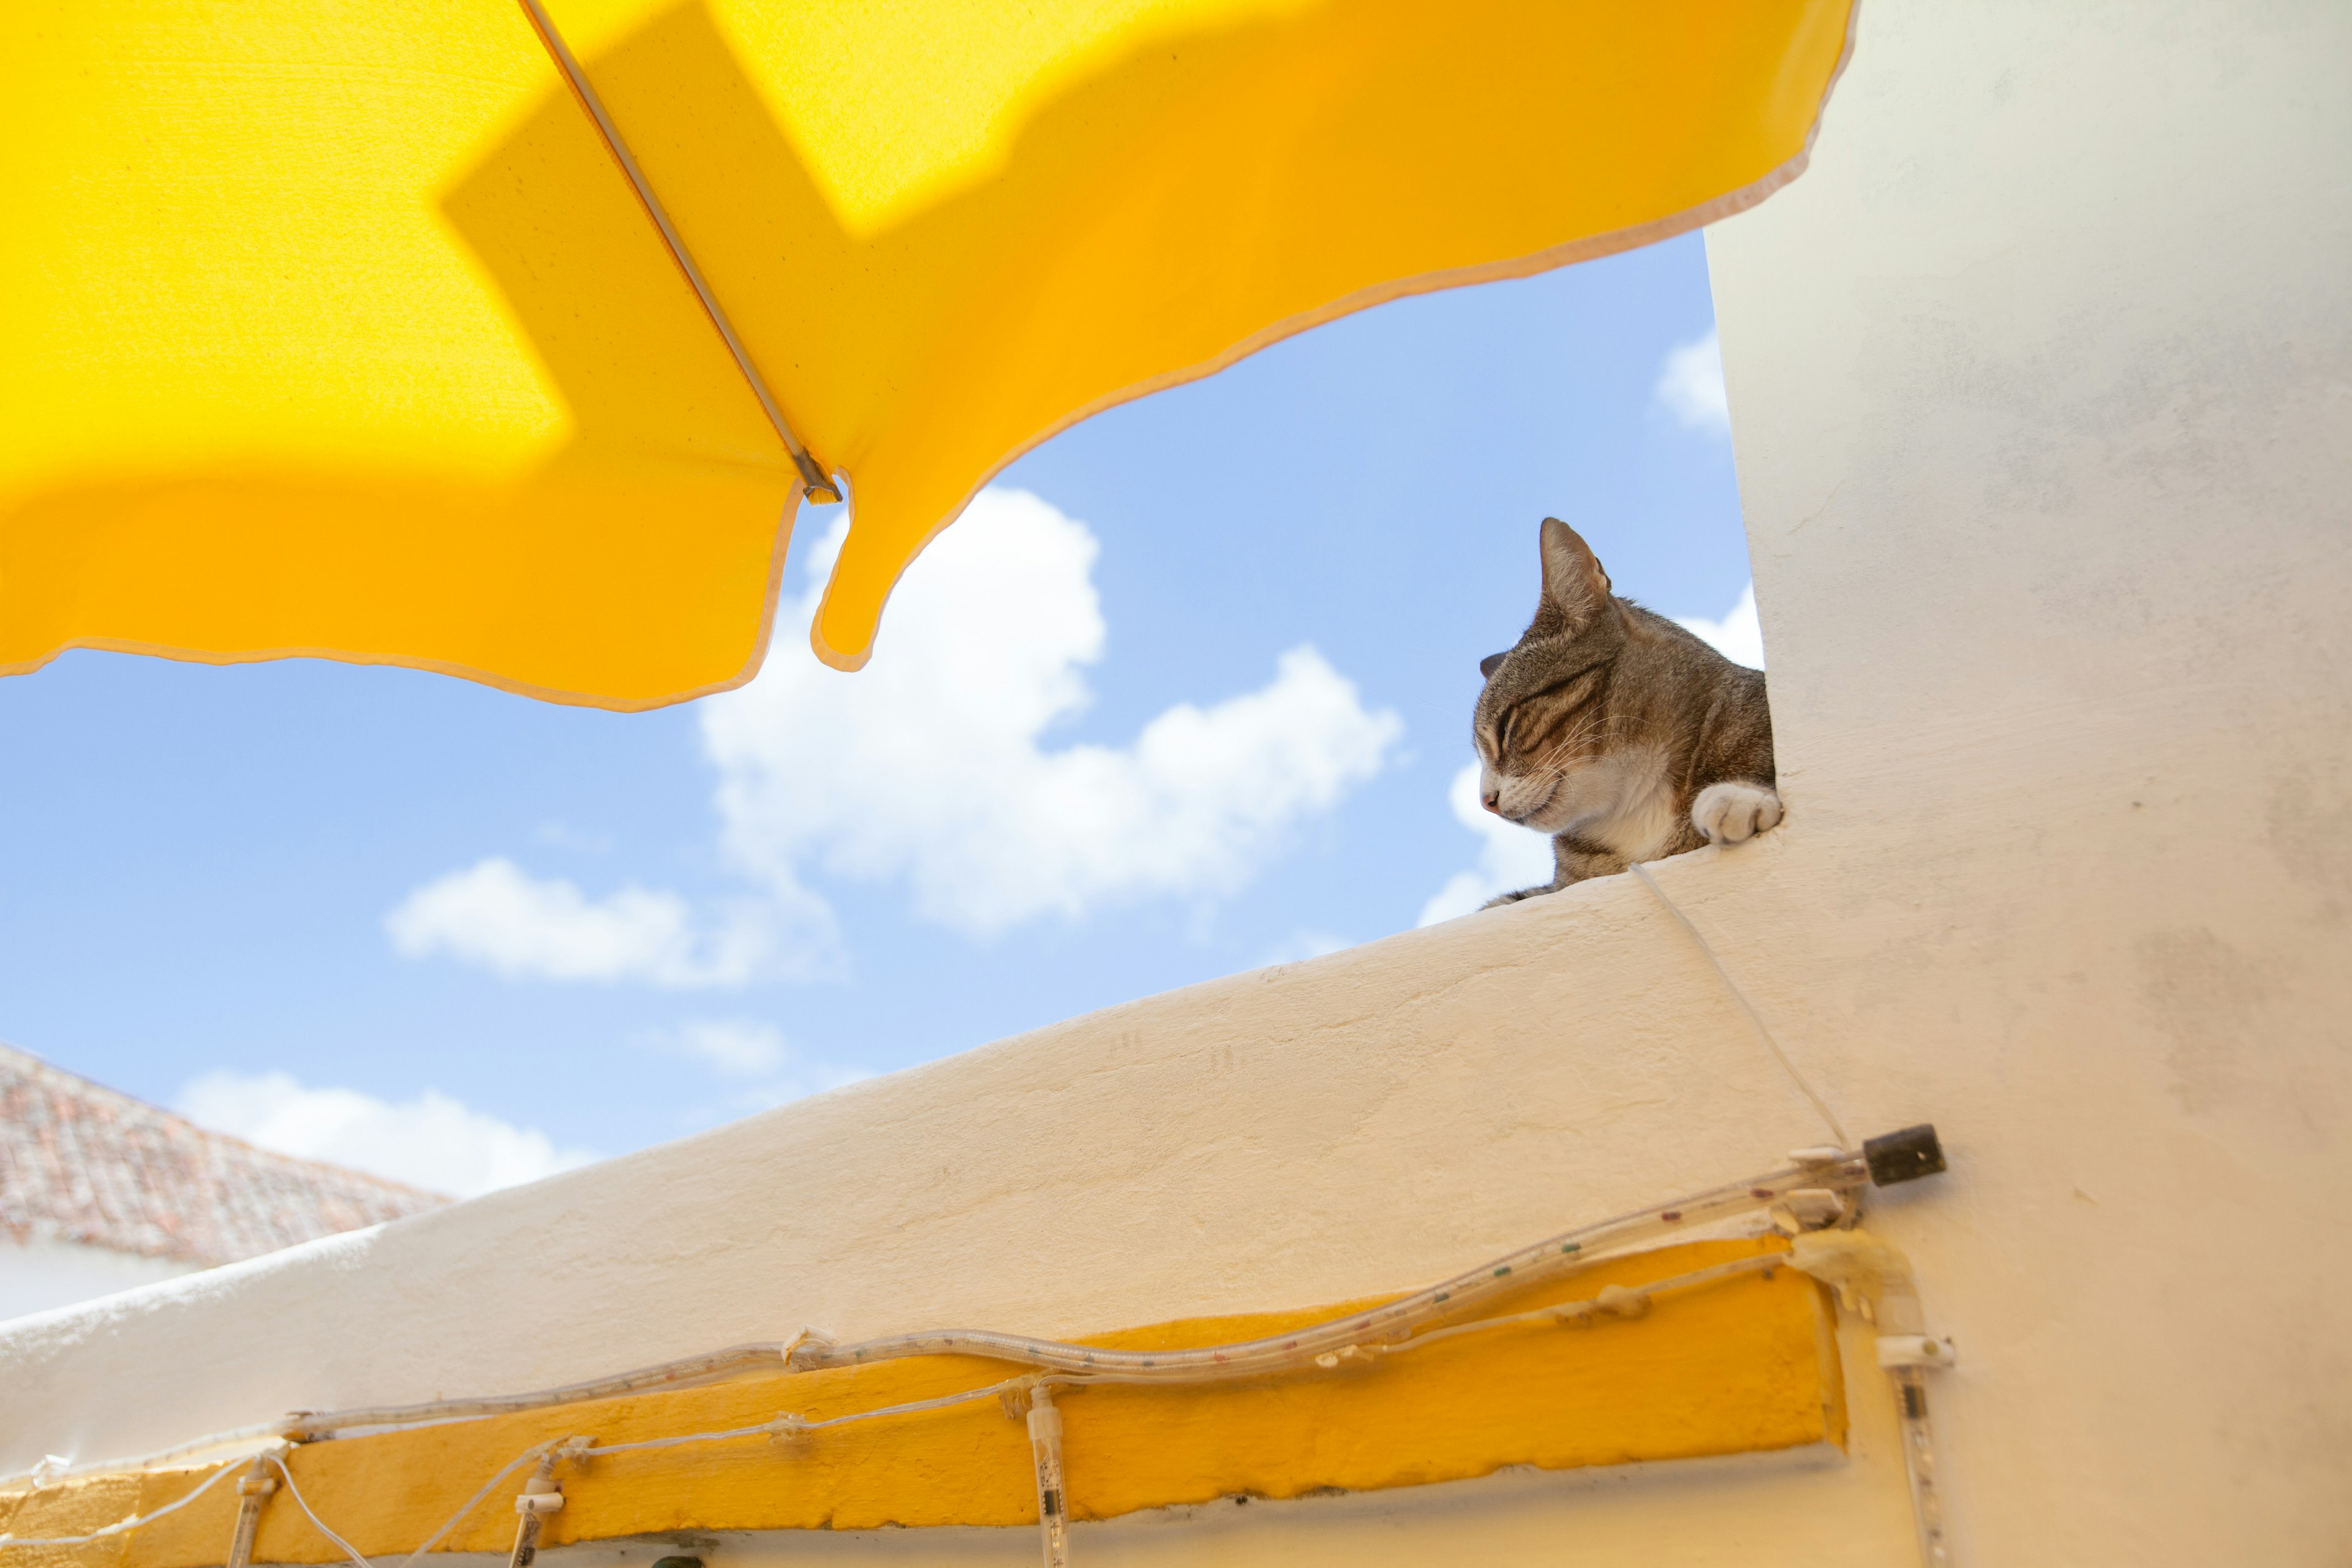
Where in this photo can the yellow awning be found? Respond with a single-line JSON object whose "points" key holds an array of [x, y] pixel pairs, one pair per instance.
{"points": [[341, 331]]}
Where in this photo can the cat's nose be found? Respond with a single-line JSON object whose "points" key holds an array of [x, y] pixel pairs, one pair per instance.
{"points": [[1492, 800]]}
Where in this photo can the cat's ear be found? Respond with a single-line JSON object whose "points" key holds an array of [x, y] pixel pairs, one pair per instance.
{"points": [[1490, 664], [1573, 583]]}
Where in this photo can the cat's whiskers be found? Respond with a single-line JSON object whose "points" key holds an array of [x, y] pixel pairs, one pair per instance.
{"points": [[1573, 743]]}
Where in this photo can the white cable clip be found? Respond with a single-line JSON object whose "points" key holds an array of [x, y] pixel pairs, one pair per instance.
{"points": [[540, 1494], [814, 1341], [1809, 1208], [252, 1490], [1914, 1349], [1053, 1490], [1624, 1302]]}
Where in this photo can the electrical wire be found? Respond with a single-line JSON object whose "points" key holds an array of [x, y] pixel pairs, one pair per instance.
{"points": [[1837, 1170], [304, 1504], [120, 1525], [471, 1503], [994, 1390], [261, 1434], [789, 1425], [688, 1371], [1755, 1019], [1587, 1309], [1389, 1321], [782, 1425], [1389, 1329]]}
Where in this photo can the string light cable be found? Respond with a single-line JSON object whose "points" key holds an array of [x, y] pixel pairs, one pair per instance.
{"points": [[1826, 1170], [1384, 1331], [345, 1547], [121, 1525], [1810, 1174], [1618, 1301], [1899, 1156]]}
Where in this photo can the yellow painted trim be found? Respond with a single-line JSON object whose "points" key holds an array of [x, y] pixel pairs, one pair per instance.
{"points": [[1744, 1365]]}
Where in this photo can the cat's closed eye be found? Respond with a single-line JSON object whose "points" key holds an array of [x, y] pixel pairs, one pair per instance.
{"points": [[1618, 732]]}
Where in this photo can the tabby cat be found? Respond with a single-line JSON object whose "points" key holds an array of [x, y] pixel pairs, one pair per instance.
{"points": [[1618, 732]]}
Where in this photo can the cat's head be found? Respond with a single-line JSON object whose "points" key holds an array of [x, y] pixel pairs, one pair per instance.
{"points": [[1542, 714]]}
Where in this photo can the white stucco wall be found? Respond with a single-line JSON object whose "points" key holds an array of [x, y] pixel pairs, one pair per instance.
{"points": [[40, 1273], [2042, 384], [2042, 394]]}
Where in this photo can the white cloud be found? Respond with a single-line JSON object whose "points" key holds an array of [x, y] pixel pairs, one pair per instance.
{"points": [[1690, 384], [1738, 636], [432, 1141], [499, 916], [1511, 858], [804, 1079], [732, 1046], [930, 767], [563, 836], [1301, 945], [742, 1048]]}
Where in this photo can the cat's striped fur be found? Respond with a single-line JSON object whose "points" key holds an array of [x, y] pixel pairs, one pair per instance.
{"points": [[1617, 732]]}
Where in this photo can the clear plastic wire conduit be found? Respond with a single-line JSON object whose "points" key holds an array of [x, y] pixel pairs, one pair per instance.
{"points": [[688, 1371], [1814, 1182], [1833, 1170]]}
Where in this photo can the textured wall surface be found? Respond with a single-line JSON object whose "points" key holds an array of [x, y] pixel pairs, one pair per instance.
{"points": [[41, 1273], [2041, 382]]}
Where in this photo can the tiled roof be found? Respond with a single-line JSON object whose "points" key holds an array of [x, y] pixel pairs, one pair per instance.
{"points": [[82, 1163]]}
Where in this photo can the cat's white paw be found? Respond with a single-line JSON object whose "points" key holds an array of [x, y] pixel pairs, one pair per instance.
{"points": [[1735, 813]]}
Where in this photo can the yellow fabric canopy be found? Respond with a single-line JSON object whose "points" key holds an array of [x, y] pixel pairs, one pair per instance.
{"points": [[339, 329]]}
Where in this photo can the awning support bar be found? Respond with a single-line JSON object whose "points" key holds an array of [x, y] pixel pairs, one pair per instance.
{"points": [[819, 483]]}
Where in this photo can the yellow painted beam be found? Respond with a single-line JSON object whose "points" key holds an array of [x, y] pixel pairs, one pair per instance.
{"points": [[1747, 1364]]}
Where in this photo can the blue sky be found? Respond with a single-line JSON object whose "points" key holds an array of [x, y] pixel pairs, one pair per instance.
{"points": [[412, 923]]}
